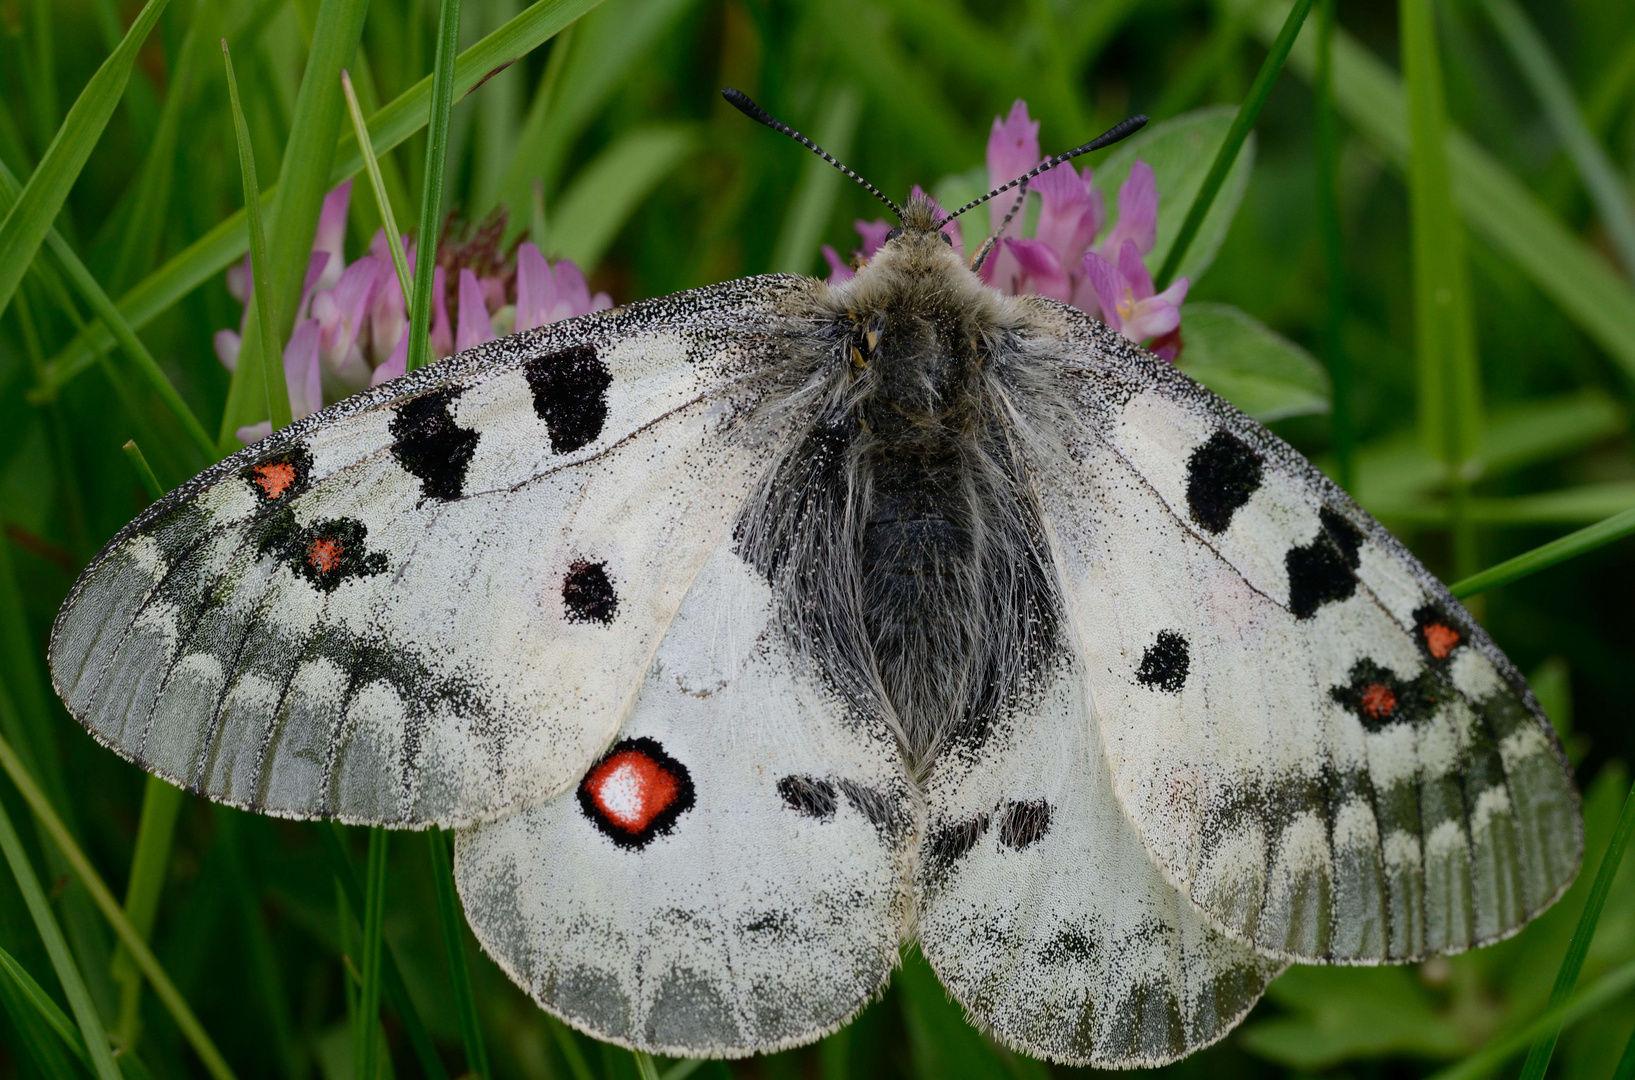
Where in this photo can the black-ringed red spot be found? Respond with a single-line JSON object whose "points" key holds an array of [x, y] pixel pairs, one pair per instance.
{"points": [[1379, 697], [636, 792], [281, 477], [1436, 634]]}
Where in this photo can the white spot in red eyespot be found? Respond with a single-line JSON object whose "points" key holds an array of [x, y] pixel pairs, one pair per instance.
{"points": [[636, 792]]}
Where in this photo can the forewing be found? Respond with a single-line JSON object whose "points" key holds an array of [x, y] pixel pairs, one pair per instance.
{"points": [[1042, 912], [434, 601], [758, 908], [1318, 744]]}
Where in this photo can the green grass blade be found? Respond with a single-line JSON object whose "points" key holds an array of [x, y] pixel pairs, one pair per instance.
{"points": [[1626, 1064], [1556, 551], [1605, 990], [303, 181], [644, 1065], [73, 986], [1606, 188], [610, 188], [371, 164], [1495, 203], [161, 802], [366, 1038], [683, 1069], [150, 203], [1242, 124], [22, 994], [180, 1012], [813, 203], [1342, 423], [1444, 329], [227, 242], [451, 922], [144, 473], [397, 992], [431, 194], [25, 226], [116, 329], [569, 1046], [1538, 1055], [267, 317]]}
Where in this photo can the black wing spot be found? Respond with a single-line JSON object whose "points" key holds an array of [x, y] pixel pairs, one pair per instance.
{"points": [[1025, 824], [431, 446], [808, 795], [570, 395], [278, 479], [948, 844], [1221, 476], [587, 593], [326, 553], [1379, 698], [1322, 571], [1165, 663]]}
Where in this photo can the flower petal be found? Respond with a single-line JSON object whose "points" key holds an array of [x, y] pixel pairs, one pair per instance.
{"points": [[303, 374], [1069, 212], [1134, 271], [573, 295], [331, 233], [873, 234], [227, 343], [1041, 267], [536, 287], [395, 365], [1108, 283], [1137, 211], [474, 327], [838, 270], [1013, 149]]}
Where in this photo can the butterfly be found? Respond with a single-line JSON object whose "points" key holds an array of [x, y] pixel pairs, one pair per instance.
{"points": [[748, 634]]}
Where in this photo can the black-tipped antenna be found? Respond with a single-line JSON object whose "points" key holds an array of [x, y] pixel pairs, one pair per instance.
{"points": [[1121, 130], [744, 104]]}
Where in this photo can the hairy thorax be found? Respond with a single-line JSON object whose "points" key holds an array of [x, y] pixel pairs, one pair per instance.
{"points": [[913, 567]]}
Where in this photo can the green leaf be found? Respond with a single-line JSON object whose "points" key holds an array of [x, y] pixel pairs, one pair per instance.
{"points": [[1180, 152], [431, 191], [1492, 199], [366, 1038], [1568, 506], [813, 202], [607, 191], [1242, 124], [43, 1028], [371, 164], [213, 252], [1335, 1014], [1244, 361], [943, 1045], [25, 225], [1607, 189], [1394, 471]]}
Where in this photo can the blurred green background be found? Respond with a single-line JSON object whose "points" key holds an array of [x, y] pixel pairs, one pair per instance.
{"points": [[651, 183]]}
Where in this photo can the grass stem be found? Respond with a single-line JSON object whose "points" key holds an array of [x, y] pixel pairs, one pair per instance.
{"points": [[1330, 233], [73, 986], [371, 165], [267, 318], [172, 998], [1242, 124], [366, 1045], [431, 198], [1544, 556], [453, 925]]}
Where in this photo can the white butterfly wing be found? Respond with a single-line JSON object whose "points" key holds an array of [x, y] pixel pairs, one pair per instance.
{"points": [[435, 601], [762, 913], [1318, 744], [1044, 915]]}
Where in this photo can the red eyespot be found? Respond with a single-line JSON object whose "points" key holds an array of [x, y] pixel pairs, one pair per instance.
{"points": [[274, 477], [1378, 701], [324, 554], [636, 793], [1440, 639]]}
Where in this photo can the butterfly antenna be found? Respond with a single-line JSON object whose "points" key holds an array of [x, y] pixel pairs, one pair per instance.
{"points": [[744, 104], [1121, 130], [993, 237]]}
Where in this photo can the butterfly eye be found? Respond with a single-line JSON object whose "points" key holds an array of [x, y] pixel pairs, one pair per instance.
{"points": [[894, 234], [949, 240]]}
